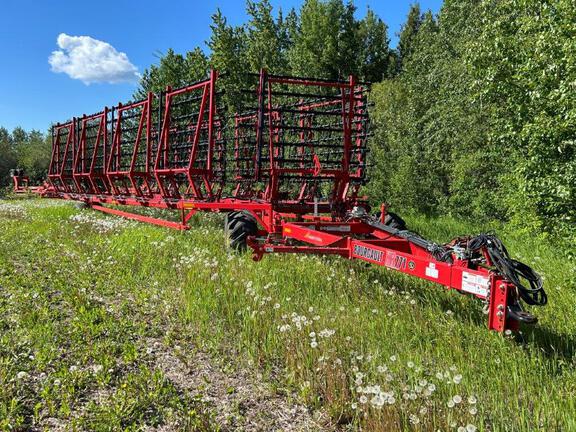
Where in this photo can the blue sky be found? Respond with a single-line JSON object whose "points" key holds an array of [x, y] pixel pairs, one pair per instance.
{"points": [[33, 96]]}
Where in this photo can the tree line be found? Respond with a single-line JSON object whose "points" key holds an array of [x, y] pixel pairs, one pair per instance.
{"points": [[474, 111], [481, 120], [28, 150]]}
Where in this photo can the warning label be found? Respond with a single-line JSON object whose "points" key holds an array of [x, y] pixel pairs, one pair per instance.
{"points": [[475, 284], [432, 271]]}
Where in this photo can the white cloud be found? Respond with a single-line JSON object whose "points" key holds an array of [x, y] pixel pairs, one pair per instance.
{"points": [[91, 60]]}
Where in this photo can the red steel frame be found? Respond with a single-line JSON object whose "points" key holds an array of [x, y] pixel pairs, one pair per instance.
{"points": [[130, 180], [396, 253], [88, 177], [60, 171], [292, 220], [21, 184], [198, 178]]}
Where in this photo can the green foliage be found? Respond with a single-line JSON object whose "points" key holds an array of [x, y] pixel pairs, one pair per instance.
{"points": [[28, 150], [228, 46], [327, 43], [408, 34], [174, 70], [8, 159], [375, 58], [264, 39], [323, 39], [525, 67], [481, 119]]}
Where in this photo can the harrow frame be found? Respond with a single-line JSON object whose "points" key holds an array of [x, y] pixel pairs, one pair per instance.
{"points": [[297, 165]]}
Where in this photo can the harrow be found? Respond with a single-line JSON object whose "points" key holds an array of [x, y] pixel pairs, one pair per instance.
{"points": [[21, 182], [287, 171]]}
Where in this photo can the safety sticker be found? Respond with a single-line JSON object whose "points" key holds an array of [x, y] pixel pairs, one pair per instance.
{"points": [[432, 271], [337, 228], [475, 284]]}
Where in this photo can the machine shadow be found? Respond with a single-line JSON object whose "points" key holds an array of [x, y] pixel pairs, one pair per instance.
{"points": [[549, 342]]}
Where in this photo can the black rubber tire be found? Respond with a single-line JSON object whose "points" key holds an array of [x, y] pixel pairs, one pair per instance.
{"points": [[239, 225], [393, 221]]}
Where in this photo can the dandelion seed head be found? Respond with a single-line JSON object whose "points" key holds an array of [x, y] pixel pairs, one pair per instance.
{"points": [[378, 401]]}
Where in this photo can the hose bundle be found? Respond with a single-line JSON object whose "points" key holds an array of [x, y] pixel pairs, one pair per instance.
{"points": [[511, 269]]}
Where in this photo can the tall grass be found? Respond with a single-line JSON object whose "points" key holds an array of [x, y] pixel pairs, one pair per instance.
{"points": [[376, 349]]}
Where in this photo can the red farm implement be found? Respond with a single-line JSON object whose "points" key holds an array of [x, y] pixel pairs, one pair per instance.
{"points": [[21, 183], [287, 171]]}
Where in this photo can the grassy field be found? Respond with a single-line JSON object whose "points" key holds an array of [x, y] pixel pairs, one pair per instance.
{"points": [[83, 294]]}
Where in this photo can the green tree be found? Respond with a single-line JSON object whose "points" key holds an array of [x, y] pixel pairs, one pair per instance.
{"points": [[173, 70], [8, 158], [408, 34], [288, 30], [35, 155], [525, 69], [228, 55], [327, 42], [375, 56], [264, 38]]}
